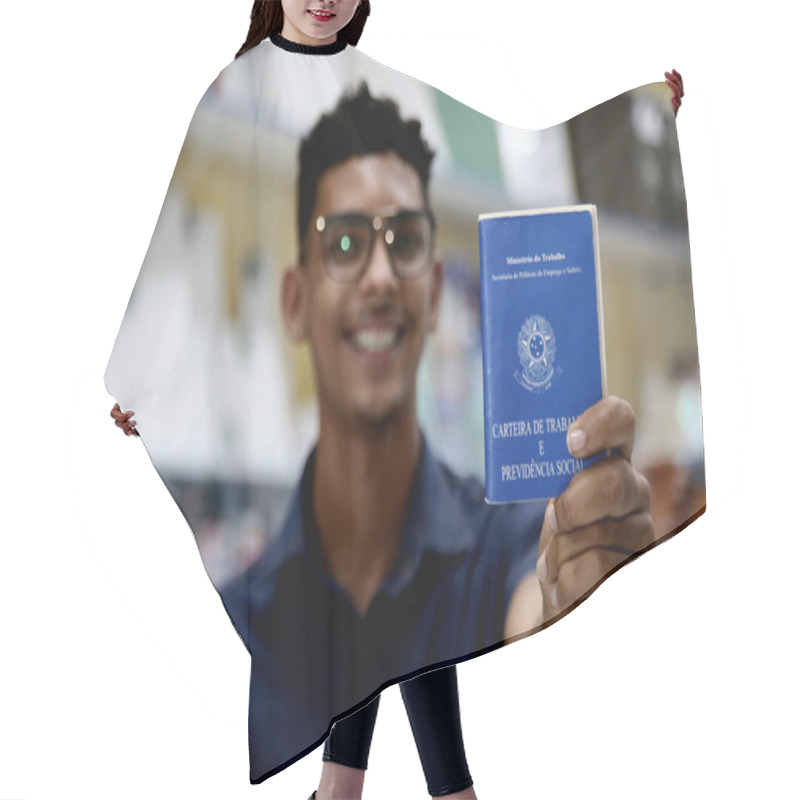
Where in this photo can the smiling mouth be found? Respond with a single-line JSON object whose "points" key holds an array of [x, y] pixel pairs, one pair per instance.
{"points": [[375, 340], [322, 16]]}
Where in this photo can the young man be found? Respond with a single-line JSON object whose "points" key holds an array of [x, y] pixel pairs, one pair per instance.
{"points": [[388, 563]]}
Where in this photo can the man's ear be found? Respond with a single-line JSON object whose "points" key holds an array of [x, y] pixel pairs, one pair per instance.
{"points": [[437, 275], [294, 298]]}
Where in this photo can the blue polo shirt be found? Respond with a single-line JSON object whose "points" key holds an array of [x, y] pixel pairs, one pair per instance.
{"points": [[315, 659]]}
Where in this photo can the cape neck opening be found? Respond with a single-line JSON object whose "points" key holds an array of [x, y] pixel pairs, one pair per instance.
{"points": [[308, 49]]}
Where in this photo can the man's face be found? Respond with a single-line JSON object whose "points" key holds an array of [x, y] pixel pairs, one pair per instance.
{"points": [[366, 337]]}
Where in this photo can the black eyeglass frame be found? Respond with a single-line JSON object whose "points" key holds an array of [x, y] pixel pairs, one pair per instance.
{"points": [[382, 223]]}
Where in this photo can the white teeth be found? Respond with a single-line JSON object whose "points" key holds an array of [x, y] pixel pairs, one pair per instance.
{"points": [[374, 341]]}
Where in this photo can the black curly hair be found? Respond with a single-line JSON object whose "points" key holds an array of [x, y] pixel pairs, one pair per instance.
{"points": [[359, 125]]}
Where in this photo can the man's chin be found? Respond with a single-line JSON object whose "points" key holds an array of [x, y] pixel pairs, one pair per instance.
{"points": [[375, 420], [378, 416]]}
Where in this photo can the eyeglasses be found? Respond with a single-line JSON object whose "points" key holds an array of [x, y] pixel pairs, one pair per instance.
{"points": [[348, 241]]}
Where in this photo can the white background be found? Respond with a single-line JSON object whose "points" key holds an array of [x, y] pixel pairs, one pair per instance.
{"points": [[120, 674]]}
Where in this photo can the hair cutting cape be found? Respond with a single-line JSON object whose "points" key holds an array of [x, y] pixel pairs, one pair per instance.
{"points": [[227, 405]]}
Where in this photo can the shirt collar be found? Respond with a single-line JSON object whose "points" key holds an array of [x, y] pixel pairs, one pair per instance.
{"points": [[436, 523]]}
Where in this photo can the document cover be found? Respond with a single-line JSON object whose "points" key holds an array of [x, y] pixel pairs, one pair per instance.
{"points": [[543, 352]]}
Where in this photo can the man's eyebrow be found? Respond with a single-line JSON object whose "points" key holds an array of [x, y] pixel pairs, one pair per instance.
{"points": [[391, 211]]}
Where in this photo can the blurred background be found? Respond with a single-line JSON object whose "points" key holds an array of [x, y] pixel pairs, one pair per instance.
{"points": [[227, 403]]}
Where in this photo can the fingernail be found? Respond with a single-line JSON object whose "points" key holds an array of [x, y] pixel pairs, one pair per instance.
{"points": [[576, 441], [550, 516], [554, 597], [541, 567]]}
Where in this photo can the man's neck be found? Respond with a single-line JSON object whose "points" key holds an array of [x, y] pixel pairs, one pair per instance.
{"points": [[362, 486]]}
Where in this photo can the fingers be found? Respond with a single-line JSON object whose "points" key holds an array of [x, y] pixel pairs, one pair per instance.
{"points": [[119, 414], [129, 428], [580, 576], [548, 531], [124, 421], [578, 564], [675, 83], [609, 488], [675, 100], [603, 516], [620, 537], [609, 424]]}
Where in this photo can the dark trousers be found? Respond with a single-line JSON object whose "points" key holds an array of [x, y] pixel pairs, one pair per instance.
{"points": [[431, 703]]}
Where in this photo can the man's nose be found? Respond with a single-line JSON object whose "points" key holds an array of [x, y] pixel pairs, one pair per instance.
{"points": [[379, 275]]}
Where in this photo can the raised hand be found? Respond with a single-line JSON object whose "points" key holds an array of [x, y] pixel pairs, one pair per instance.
{"points": [[602, 517]]}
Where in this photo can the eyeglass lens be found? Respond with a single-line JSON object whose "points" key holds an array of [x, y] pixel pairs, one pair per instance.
{"points": [[348, 240]]}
